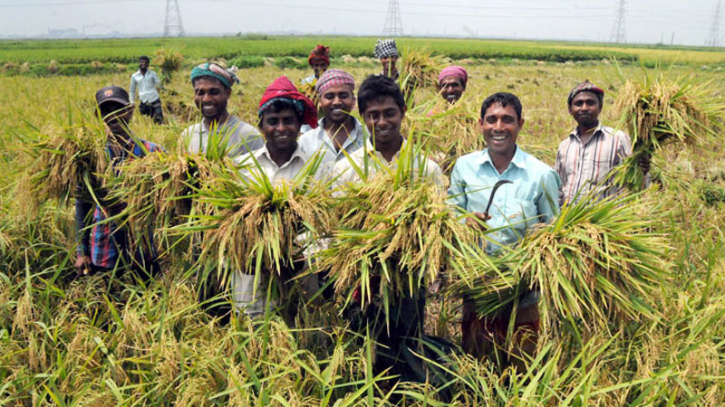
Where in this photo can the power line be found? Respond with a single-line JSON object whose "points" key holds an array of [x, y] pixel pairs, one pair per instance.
{"points": [[618, 32], [713, 38], [173, 27], [393, 24]]}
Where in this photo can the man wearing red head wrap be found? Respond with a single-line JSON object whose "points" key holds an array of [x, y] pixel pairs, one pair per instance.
{"points": [[282, 111], [452, 83], [319, 60]]}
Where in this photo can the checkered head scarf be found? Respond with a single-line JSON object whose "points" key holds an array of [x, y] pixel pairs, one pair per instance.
{"points": [[386, 49], [586, 86], [334, 77], [225, 76]]}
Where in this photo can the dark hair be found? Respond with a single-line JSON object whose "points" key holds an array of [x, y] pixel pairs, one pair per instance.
{"points": [[504, 99], [377, 87], [600, 97], [144, 58], [277, 106]]}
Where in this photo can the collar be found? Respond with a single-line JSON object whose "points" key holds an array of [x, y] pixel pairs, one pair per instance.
{"points": [[231, 121], [575, 133], [371, 149], [264, 152], [518, 160]]}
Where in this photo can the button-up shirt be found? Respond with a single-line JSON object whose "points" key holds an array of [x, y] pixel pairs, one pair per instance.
{"points": [[321, 140], [275, 173], [105, 239], [531, 198], [582, 167], [369, 160], [146, 85], [240, 137]]}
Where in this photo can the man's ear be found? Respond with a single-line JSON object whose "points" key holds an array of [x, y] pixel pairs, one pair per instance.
{"points": [[521, 123], [480, 124]]}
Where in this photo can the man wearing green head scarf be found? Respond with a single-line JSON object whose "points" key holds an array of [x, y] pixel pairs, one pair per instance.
{"points": [[218, 129]]}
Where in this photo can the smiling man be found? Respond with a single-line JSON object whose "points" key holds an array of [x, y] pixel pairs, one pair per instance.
{"points": [[586, 158], [530, 198], [452, 83], [319, 61], [338, 132], [212, 89], [146, 82], [282, 111]]}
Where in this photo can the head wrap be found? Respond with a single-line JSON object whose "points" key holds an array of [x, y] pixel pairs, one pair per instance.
{"points": [[283, 90], [225, 76], [334, 77], [586, 86], [454, 70], [320, 52], [386, 49]]}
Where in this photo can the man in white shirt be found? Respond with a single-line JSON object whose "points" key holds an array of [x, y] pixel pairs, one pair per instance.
{"points": [[338, 132], [281, 113], [219, 132], [146, 81]]}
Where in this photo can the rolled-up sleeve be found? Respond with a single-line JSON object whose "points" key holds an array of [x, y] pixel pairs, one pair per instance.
{"points": [[456, 190], [548, 201]]}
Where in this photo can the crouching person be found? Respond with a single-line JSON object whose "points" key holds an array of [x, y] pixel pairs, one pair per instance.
{"points": [[282, 111]]}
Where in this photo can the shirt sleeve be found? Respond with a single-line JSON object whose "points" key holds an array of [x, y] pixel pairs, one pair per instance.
{"points": [[624, 149], [561, 172], [547, 204], [132, 90], [83, 236], [456, 191]]}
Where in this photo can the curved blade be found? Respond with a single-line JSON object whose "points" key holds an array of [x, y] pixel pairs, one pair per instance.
{"points": [[493, 192]]}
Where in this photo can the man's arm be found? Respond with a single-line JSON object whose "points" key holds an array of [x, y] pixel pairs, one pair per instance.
{"points": [[456, 193], [561, 172], [83, 239], [548, 204], [132, 90]]}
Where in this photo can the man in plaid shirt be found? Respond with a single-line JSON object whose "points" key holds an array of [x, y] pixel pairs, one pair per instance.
{"points": [[105, 246]]}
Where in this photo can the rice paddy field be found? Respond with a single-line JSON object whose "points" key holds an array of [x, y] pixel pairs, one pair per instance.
{"points": [[102, 341]]}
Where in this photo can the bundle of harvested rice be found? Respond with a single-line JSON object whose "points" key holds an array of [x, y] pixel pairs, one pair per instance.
{"points": [[67, 156], [396, 234], [597, 262], [660, 112], [419, 69], [255, 225], [449, 131]]}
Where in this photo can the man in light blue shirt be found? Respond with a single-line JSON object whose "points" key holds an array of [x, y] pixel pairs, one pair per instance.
{"points": [[530, 198], [146, 81]]}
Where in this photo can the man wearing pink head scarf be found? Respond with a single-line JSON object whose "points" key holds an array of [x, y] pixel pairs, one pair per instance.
{"points": [[452, 83]]}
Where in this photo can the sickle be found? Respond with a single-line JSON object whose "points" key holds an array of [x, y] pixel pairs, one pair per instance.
{"points": [[493, 192]]}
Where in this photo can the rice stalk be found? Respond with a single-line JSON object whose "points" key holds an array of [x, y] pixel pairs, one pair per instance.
{"points": [[658, 112], [419, 68]]}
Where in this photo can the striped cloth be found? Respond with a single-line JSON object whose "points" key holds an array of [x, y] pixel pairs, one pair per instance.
{"points": [[586, 167], [106, 241]]}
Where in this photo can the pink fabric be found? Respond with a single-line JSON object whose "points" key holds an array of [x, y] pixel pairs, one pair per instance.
{"points": [[284, 88], [334, 77], [454, 70]]}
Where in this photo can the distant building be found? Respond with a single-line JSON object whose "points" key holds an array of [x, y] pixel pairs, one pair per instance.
{"points": [[63, 33]]}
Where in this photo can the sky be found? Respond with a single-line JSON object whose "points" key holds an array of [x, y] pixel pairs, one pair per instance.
{"points": [[646, 21]]}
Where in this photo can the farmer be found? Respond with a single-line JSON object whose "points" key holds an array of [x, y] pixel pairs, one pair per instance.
{"points": [[146, 82], [212, 89], [319, 61], [282, 111], [585, 159], [452, 83], [529, 199], [382, 107], [387, 52], [338, 133], [106, 246]]}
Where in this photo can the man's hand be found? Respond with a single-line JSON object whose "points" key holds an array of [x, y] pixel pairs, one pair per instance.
{"points": [[479, 221], [83, 265]]}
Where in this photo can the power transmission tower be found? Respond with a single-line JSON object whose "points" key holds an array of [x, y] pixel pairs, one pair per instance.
{"points": [[173, 26], [618, 32], [393, 24], [713, 38]]}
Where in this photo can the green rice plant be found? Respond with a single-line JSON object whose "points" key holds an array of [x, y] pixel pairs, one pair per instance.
{"points": [[396, 233], [597, 263], [659, 112]]}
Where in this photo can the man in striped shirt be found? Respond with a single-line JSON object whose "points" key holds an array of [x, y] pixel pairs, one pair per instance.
{"points": [[585, 159], [106, 246]]}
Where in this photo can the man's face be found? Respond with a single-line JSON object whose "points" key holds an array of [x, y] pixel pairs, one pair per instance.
{"points": [[281, 129], [117, 116], [451, 88], [143, 64], [211, 97], [585, 109], [337, 102], [383, 119], [500, 127], [388, 64], [319, 66]]}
